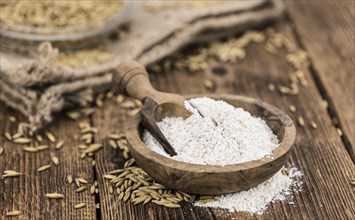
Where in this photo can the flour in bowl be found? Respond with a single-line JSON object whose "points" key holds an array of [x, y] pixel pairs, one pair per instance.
{"points": [[227, 135], [216, 133]]}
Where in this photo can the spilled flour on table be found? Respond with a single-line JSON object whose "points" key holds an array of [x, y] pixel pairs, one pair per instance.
{"points": [[217, 133], [255, 200]]}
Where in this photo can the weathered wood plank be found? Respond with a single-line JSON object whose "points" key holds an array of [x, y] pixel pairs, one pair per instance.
{"points": [[319, 153], [326, 29], [27, 192]]}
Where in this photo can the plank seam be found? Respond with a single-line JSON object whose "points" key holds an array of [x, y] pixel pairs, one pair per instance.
{"points": [[323, 92], [97, 195]]}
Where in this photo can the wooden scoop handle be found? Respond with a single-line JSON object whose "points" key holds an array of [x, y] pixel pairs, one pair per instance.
{"points": [[131, 78]]}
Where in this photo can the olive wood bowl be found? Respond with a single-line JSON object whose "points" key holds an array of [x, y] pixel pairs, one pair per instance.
{"points": [[212, 179]]}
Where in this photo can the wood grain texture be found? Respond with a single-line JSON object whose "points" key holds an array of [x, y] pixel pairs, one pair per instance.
{"points": [[318, 153], [327, 30], [27, 192]]}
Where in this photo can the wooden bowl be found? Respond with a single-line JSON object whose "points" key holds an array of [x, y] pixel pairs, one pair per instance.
{"points": [[216, 180]]}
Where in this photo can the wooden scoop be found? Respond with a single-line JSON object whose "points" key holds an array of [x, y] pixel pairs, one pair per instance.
{"points": [[132, 79]]}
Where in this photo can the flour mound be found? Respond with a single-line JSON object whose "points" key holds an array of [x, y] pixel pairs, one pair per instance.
{"points": [[255, 200], [224, 135]]}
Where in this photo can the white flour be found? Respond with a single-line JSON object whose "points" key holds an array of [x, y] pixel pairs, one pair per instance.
{"points": [[255, 200], [225, 135]]}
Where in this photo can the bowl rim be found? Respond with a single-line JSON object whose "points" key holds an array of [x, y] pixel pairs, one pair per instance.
{"points": [[135, 142]]}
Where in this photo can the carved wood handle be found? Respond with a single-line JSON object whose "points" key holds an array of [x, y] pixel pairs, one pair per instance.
{"points": [[131, 78]]}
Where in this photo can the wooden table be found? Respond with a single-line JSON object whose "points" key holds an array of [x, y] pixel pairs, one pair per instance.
{"points": [[324, 29]]}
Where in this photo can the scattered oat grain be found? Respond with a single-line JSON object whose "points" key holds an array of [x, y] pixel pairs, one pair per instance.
{"points": [[43, 168], [292, 108], [125, 154], [83, 155], [70, 179], [81, 189], [83, 124], [89, 130], [209, 85], [30, 149], [54, 196], [92, 189], [88, 111], [50, 136], [77, 182], [17, 135], [42, 147], [54, 159], [314, 125], [22, 140], [73, 115], [12, 119], [99, 102], [39, 138], [325, 103], [271, 87], [340, 132], [109, 94], [119, 99], [112, 143], [8, 136], [11, 173], [300, 121], [134, 112], [82, 146], [93, 148], [116, 136], [128, 104], [82, 180], [138, 103], [59, 145], [80, 205], [13, 213]]}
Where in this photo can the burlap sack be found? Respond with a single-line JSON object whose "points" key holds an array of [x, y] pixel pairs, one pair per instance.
{"points": [[38, 88]]}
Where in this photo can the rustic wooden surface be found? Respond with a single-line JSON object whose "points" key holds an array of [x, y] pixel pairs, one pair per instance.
{"points": [[331, 49], [321, 154], [27, 193]]}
